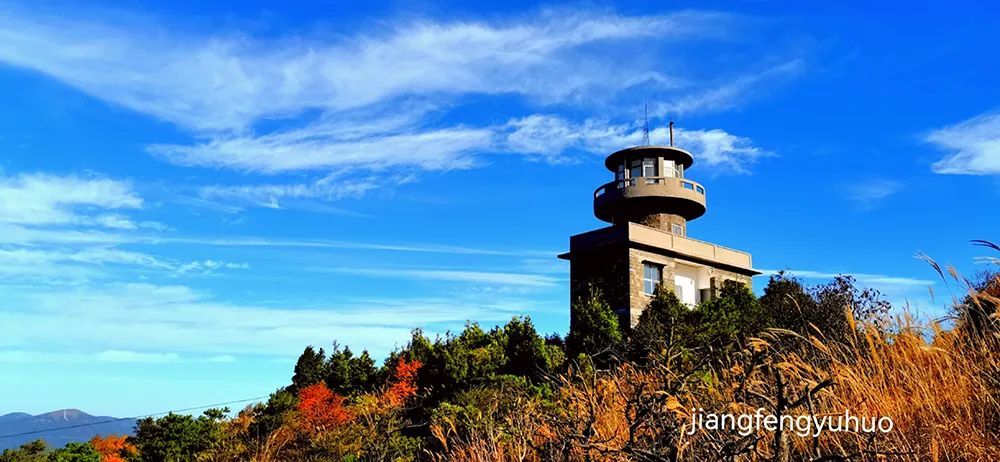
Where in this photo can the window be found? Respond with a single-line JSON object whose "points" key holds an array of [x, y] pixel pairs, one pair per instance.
{"points": [[651, 276], [636, 169], [649, 167], [677, 229], [669, 169], [620, 174]]}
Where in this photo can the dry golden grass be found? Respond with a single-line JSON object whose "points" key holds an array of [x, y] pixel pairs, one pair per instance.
{"points": [[934, 384], [937, 392]]}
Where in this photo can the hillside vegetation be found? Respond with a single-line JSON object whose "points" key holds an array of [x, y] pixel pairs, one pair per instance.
{"points": [[511, 394]]}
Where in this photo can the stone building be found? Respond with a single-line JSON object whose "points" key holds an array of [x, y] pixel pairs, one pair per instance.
{"points": [[649, 204]]}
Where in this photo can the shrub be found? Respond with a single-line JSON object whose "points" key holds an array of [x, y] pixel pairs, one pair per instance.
{"points": [[822, 310], [321, 409], [347, 374], [113, 448], [177, 437], [594, 329], [310, 368]]}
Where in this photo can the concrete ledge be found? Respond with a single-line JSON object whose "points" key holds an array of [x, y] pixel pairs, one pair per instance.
{"points": [[640, 236]]}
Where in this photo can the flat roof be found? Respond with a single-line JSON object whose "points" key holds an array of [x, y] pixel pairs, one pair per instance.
{"points": [[667, 152]]}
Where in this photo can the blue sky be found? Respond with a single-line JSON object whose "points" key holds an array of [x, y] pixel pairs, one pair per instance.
{"points": [[189, 196]]}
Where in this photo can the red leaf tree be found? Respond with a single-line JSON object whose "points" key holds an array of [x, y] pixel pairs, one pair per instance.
{"points": [[404, 382], [321, 408], [113, 448]]}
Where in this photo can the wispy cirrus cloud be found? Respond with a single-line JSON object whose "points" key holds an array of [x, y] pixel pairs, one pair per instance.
{"points": [[904, 292], [453, 275], [94, 256], [337, 185], [228, 81], [868, 194], [18, 235], [19, 262], [726, 152], [973, 146], [135, 319], [43, 199], [322, 147], [106, 356], [129, 356], [550, 137], [356, 102], [61, 227], [869, 278], [729, 93]]}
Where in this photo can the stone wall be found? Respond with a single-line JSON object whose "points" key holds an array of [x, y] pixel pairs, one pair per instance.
{"points": [[662, 221], [638, 300]]}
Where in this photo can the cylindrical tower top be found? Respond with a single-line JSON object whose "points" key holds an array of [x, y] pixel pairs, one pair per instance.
{"points": [[650, 188], [621, 157]]}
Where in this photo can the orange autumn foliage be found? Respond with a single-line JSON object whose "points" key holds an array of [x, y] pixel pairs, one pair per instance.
{"points": [[321, 408], [404, 379], [113, 448]]}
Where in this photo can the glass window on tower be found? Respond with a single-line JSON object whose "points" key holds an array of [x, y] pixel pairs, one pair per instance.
{"points": [[677, 229], [652, 274], [649, 169], [636, 169], [669, 169]]}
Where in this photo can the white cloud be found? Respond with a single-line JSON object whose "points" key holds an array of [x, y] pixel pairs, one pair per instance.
{"points": [[379, 101], [23, 235], [153, 225], [224, 82], [129, 318], [330, 187], [115, 221], [912, 294], [40, 199], [550, 136], [319, 147], [724, 152], [869, 193], [126, 356], [352, 245], [109, 356], [22, 356], [867, 278], [208, 266], [482, 277], [19, 235], [973, 146], [96, 256], [729, 94], [28, 262]]}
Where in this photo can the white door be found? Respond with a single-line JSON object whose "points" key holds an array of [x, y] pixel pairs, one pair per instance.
{"points": [[685, 290]]}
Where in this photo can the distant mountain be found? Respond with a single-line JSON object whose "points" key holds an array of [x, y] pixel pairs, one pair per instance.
{"points": [[86, 426]]}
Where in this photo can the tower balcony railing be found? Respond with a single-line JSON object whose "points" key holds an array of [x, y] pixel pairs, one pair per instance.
{"points": [[629, 198], [650, 180]]}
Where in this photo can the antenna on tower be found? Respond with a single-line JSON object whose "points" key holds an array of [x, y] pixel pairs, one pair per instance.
{"points": [[645, 124], [671, 125]]}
